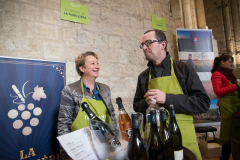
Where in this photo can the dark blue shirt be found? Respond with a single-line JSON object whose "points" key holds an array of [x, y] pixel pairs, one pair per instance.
{"points": [[95, 91]]}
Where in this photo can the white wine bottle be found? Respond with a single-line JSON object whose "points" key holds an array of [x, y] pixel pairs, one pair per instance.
{"points": [[164, 134], [125, 122], [153, 106], [136, 149], [155, 144], [100, 125], [175, 135]]}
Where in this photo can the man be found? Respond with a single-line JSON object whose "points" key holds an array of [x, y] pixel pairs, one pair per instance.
{"points": [[170, 82], [190, 61]]}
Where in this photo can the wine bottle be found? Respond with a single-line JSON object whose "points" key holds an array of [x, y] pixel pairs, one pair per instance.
{"points": [[175, 134], [153, 106], [136, 149], [155, 144], [100, 125], [164, 134], [125, 122]]}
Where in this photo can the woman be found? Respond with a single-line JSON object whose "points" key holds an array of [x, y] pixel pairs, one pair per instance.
{"points": [[97, 95], [226, 87]]}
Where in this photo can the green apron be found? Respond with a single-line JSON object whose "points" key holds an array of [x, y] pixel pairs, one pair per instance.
{"points": [[170, 84], [98, 107], [228, 105]]}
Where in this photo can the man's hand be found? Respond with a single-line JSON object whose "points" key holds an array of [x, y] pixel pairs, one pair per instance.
{"points": [[156, 94]]}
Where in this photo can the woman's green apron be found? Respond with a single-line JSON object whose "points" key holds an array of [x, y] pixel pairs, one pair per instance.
{"points": [[98, 107], [170, 84], [228, 105]]}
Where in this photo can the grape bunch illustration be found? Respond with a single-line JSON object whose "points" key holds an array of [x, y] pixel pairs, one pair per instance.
{"points": [[29, 112]]}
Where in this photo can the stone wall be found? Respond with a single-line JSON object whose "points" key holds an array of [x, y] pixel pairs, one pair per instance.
{"points": [[33, 29], [214, 21]]}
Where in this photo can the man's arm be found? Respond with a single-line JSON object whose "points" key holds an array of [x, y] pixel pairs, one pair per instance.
{"points": [[139, 103], [195, 98]]}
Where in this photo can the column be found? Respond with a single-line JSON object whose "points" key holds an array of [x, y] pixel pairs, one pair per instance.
{"points": [[236, 24], [200, 14], [193, 14], [227, 26], [187, 14]]}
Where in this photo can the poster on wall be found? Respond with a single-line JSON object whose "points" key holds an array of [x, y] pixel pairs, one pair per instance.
{"points": [[74, 12], [29, 105], [159, 23], [195, 48]]}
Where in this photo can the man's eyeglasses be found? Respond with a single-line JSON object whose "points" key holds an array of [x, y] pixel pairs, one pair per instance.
{"points": [[149, 42]]}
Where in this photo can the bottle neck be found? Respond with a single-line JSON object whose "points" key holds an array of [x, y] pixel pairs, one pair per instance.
{"points": [[135, 124], [153, 127], [90, 114], [120, 105], [172, 112], [122, 111]]}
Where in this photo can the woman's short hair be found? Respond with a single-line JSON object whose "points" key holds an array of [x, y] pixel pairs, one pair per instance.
{"points": [[80, 60], [218, 60]]}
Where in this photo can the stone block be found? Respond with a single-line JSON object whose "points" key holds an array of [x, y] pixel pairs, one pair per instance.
{"points": [[52, 16], [128, 9], [92, 26], [53, 4], [38, 30], [117, 30], [54, 50], [104, 27], [101, 40], [9, 45], [123, 19], [94, 10], [42, 3], [85, 37], [147, 23], [108, 15], [114, 41], [71, 69], [29, 46], [131, 43], [12, 27], [10, 11], [136, 22], [68, 34], [30, 12]]}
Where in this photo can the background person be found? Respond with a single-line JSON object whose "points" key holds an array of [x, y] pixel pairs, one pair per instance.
{"points": [[226, 87], [97, 95], [190, 61], [170, 82]]}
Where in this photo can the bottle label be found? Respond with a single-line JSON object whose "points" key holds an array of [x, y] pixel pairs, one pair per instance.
{"points": [[148, 118], [158, 118], [178, 155], [129, 132]]}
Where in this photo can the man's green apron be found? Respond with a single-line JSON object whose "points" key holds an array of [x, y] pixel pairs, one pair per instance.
{"points": [[228, 105], [98, 107], [170, 84]]}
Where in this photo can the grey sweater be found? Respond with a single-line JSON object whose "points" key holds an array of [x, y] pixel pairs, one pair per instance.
{"points": [[70, 103]]}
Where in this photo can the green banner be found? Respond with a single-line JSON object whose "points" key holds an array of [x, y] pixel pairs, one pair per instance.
{"points": [[75, 12], [159, 23]]}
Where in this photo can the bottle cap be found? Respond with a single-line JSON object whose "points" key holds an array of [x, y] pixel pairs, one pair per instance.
{"points": [[84, 105], [119, 102], [118, 99], [153, 101]]}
